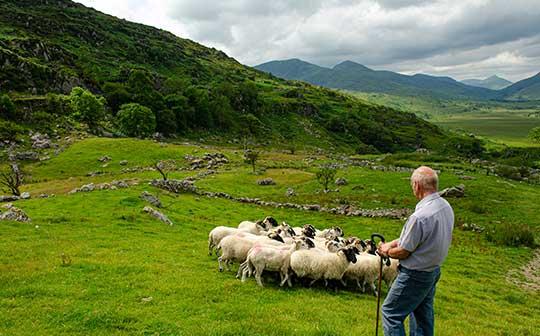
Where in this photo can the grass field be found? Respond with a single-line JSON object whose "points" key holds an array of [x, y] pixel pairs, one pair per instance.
{"points": [[131, 274], [500, 123]]}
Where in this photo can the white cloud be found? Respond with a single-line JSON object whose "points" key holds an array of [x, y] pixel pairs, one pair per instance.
{"points": [[447, 37]]}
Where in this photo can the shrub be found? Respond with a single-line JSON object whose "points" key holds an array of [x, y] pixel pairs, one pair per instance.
{"points": [[251, 157], [7, 108], [58, 104], [136, 120], [9, 130], [511, 234], [325, 175], [534, 134], [86, 107]]}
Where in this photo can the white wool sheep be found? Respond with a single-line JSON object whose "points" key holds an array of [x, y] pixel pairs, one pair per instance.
{"points": [[316, 264], [366, 269], [236, 247], [217, 234], [390, 272], [270, 258]]}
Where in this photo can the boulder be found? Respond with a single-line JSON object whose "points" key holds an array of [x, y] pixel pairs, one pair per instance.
{"points": [[27, 156], [341, 181], [9, 198], [123, 162], [25, 195], [290, 192], [154, 200], [266, 181], [456, 192], [157, 214], [104, 159], [40, 141], [14, 214]]}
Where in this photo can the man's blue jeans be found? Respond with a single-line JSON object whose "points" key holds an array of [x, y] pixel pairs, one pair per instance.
{"points": [[411, 294]]}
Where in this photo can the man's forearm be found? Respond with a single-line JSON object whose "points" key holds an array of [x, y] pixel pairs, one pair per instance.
{"points": [[398, 253]]}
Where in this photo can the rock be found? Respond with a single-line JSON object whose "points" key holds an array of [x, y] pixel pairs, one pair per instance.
{"points": [[123, 162], [157, 214], [154, 200], [175, 186], [266, 181], [290, 192], [25, 195], [87, 187], [341, 181], [104, 159], [14, 214], [40, 141], [44, 158], [422, 150], [457, 191], [27, 156], [9, 198]]}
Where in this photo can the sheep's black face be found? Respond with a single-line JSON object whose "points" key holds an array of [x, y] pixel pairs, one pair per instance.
{"points": [[271, 220], [291, 231], [351, 256], [355, 249], [276, 236], [309, 242], [338, 231], [308, 233], [260, 223], [364, 246]]}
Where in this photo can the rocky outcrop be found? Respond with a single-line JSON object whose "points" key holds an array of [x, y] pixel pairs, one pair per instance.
{"points": [[175, 186], [456, 192], [341, 181], [158, 215], [116, 184], [154, 200], [208, 161], [266, 181], [13, 214]]}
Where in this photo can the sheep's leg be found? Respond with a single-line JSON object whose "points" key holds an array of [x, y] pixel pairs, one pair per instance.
{"points": [[289, 282], [343, 282], [210, 246], [241, 268], [258, 276], [284, 278], [359, 285], [325, 283], [312, 282], [374, 289], [228, 264]]}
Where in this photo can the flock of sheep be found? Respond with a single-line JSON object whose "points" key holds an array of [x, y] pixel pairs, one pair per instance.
{"points": [[304, 252]]}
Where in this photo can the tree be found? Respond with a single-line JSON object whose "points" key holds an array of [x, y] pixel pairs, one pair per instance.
{"points": [[136, 120], [12, 179], [251, 157], [534, 134], [166, 122], [7, 108], [86, 107], [164, 167], [117, 95], [183, 112], [325, 175]]}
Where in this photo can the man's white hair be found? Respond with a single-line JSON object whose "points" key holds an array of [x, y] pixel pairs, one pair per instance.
{"points": [[426, 177]]}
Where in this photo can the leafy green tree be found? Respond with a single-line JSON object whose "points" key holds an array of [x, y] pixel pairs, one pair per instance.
{"points": [[251, 157], [534, 134], [166, 122], [136, 120], [143, 92], [325, 175], [247, 99], [7, 108], [183, 112], [251, 124], [86, 107], [117, 95]]}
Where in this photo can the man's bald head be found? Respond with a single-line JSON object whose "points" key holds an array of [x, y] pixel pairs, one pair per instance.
{"points": [[426, 178]]}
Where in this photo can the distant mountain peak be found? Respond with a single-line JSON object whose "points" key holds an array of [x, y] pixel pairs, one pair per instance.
{"points": [[350, 65], [493, 82]]}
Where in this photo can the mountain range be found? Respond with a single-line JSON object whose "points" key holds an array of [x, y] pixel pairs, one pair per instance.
{"points": [[352, 76], [494, 82]]}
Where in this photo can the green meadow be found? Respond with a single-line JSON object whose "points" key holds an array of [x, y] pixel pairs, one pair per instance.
{"points": [[95, 264]]}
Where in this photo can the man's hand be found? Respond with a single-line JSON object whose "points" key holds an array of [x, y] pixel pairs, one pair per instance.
{"points": [[384, 248]]}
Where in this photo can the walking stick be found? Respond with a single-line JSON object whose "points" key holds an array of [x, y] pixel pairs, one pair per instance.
{"points": [[382, 259]]}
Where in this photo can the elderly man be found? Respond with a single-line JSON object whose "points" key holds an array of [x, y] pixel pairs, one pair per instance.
{"points": [[421, 248]]}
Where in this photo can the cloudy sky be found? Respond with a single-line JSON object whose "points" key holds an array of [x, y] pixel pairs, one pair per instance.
{"points": [[459, 38]]}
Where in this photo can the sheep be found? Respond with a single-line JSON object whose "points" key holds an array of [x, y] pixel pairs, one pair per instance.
{"points": [[270, 258], [307, 230], [366, 269], [316, 264], [236, 248], [258, 227], [216, 235], [390, 272], [334, 232]]}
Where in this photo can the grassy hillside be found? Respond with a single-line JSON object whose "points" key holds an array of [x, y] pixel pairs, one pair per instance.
{"points": [[126, 273], [52, 46]]}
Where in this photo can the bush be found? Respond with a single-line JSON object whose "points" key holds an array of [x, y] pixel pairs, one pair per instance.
{"points": [[511, 234], [534, 134], [136, 120], [325, 175], [7, 108], [9, 130], [86, 107], [58, 104]]}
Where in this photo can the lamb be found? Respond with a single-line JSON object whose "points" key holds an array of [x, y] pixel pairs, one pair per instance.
{"points": [[236, 248], [316, 264], [270, 258]]}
